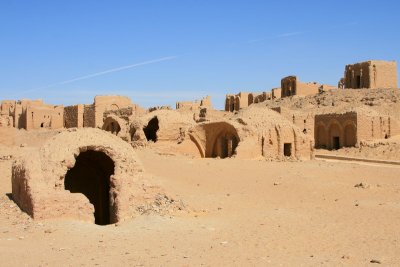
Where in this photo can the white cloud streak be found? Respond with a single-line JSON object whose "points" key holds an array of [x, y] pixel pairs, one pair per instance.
{"points": [[103, 73], [288, 34], [283, 35]]}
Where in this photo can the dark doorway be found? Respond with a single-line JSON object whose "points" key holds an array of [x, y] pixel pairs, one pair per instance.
{"points": [[287, 149], [358, 81], [336, 142], [112, 126], [151, 130], [91, 177]]}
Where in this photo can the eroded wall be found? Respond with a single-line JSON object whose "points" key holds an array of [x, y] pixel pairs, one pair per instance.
{"points": [[292, 86], [73, 116], [195, 105], [371, 74], [44, 116]]}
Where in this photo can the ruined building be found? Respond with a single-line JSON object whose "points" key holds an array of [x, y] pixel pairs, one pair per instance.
{"points": [[7, 108], [31, 114], [195, 105], [92, 115], [371, 74], [254, 132], [245, 99], [291, 85], [348, 128], [101, 167]]}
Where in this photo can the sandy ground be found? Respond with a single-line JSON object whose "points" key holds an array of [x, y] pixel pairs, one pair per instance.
{"points": [[383, 149], [243, 213]]}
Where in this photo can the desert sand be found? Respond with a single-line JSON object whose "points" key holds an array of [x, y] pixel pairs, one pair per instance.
{"points": [[236, 212]]}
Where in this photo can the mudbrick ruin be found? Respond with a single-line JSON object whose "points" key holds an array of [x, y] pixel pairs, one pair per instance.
{"points": [[87, 167]]}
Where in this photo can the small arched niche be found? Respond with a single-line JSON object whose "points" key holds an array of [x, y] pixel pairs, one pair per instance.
{"points": [[112, 126]]}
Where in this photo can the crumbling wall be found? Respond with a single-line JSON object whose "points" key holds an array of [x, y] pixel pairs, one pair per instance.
{"points": [[73, 116], [7, 108], [169, 125], [276, 93], [251, 133], [105, 103], [292, 86], [33, 114], [311, 88], [89, 117], [44, 116], [20, 111], [288, 86], [376, 127], [303, 120], [195, 105], [244, 99], [371, 74], [117, 126], [326, 87]]}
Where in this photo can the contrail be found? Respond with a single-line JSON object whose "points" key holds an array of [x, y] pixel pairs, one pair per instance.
{"points": [[105, 72], [283, 35]]}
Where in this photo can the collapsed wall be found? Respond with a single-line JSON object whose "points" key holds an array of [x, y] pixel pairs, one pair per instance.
{"points": [[161, 125], [102, 168], [205, 102]]}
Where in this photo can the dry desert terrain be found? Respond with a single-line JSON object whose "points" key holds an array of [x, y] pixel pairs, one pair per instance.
{"points": [[236, 213]]}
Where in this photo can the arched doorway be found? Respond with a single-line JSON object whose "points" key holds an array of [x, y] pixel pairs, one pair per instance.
{"points": [[232, 104], [237, 103], [225, 145], [350, 135], [91, 177], [112, 126], [151, 130], [335, 135], [321, 137], [250, 99]]}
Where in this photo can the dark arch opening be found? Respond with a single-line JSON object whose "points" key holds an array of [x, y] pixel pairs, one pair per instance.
{"points": [[151, 130], [112, 126], [225, 146], [91, 177]]}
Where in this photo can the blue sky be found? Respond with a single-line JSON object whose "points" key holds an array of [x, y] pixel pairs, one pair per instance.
{"points": [[183, 50]]}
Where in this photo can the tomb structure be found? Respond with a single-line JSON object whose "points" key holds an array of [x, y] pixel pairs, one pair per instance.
{"points": [[245, 99], [92, 115], [371, 74], [349, 127], [31, 114], [84, 174], [291, 85], [254, 132]]}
